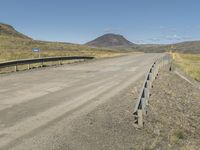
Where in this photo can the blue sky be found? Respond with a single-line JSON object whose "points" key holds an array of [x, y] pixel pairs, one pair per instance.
{"points": [[79, 21]]}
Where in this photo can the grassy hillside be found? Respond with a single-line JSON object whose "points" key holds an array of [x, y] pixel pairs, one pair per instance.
{"points": [[15, 45], [6, 29], [189, 63], [188, 47], [12, 48], [192, 47]]}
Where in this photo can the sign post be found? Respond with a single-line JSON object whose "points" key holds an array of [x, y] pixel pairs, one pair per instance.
{"points": [[36, 50]]}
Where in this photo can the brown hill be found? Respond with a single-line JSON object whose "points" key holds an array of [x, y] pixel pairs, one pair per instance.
{"points": [[15, 45], [8, 30], [110, 40]]}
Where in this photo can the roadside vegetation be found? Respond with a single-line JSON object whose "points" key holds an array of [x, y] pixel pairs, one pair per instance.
{"points": [[16, 47], [173, 118], [13, 48], [189, 63]]}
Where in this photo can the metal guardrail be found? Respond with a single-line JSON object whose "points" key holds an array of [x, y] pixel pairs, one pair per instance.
{"points": [[140, 109], [16, 63]]}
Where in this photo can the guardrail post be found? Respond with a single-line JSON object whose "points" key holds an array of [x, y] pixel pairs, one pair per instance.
{"points": [[28, 66], [140, 118], [156, 71], [60, 62], [16, 68], [144, 105], [148, 84], [146, 91], [153, 73], [42, 63], [150, 77]]}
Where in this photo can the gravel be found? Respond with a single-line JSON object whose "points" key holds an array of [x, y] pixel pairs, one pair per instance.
{"points": [[174, 114], [172, 121]]}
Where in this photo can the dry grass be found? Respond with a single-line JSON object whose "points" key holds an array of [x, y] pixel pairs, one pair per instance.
{"points": [[173, 114], [189, 63], [13, 48]]}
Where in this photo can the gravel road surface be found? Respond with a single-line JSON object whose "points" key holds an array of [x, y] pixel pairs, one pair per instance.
{"points": [[45, 108]]}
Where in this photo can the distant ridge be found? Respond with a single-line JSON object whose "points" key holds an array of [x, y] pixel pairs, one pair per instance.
{"points": [[110, 40], [8, 30]]}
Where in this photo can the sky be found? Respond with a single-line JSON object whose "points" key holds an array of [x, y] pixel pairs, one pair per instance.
{"points": [[79, 21]]}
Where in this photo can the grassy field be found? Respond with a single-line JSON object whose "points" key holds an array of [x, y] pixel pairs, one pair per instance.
{"points": [[13, 48], [189, 63]]}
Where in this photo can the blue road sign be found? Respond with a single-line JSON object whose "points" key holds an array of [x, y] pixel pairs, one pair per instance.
{"points": [[36, 50]]}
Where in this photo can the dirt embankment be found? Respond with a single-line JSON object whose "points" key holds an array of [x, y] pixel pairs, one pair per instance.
{"points": [[174, 114]]}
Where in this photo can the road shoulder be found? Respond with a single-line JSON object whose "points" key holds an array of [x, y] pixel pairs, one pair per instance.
{"points": [[173, 116]]}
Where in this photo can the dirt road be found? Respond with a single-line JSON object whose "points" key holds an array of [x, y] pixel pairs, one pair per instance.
{"points": [[42, 109]]}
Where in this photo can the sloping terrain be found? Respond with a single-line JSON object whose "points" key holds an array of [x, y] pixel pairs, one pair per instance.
{"points": [[118, 42], [110, 40], [188, 47], [14, 45], [173, 116], [8, 30], [184, 47], [188, 63]]}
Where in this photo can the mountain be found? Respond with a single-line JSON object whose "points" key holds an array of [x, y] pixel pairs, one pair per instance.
{"points": [[8, 30], [110, 40], [118, 42]]}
